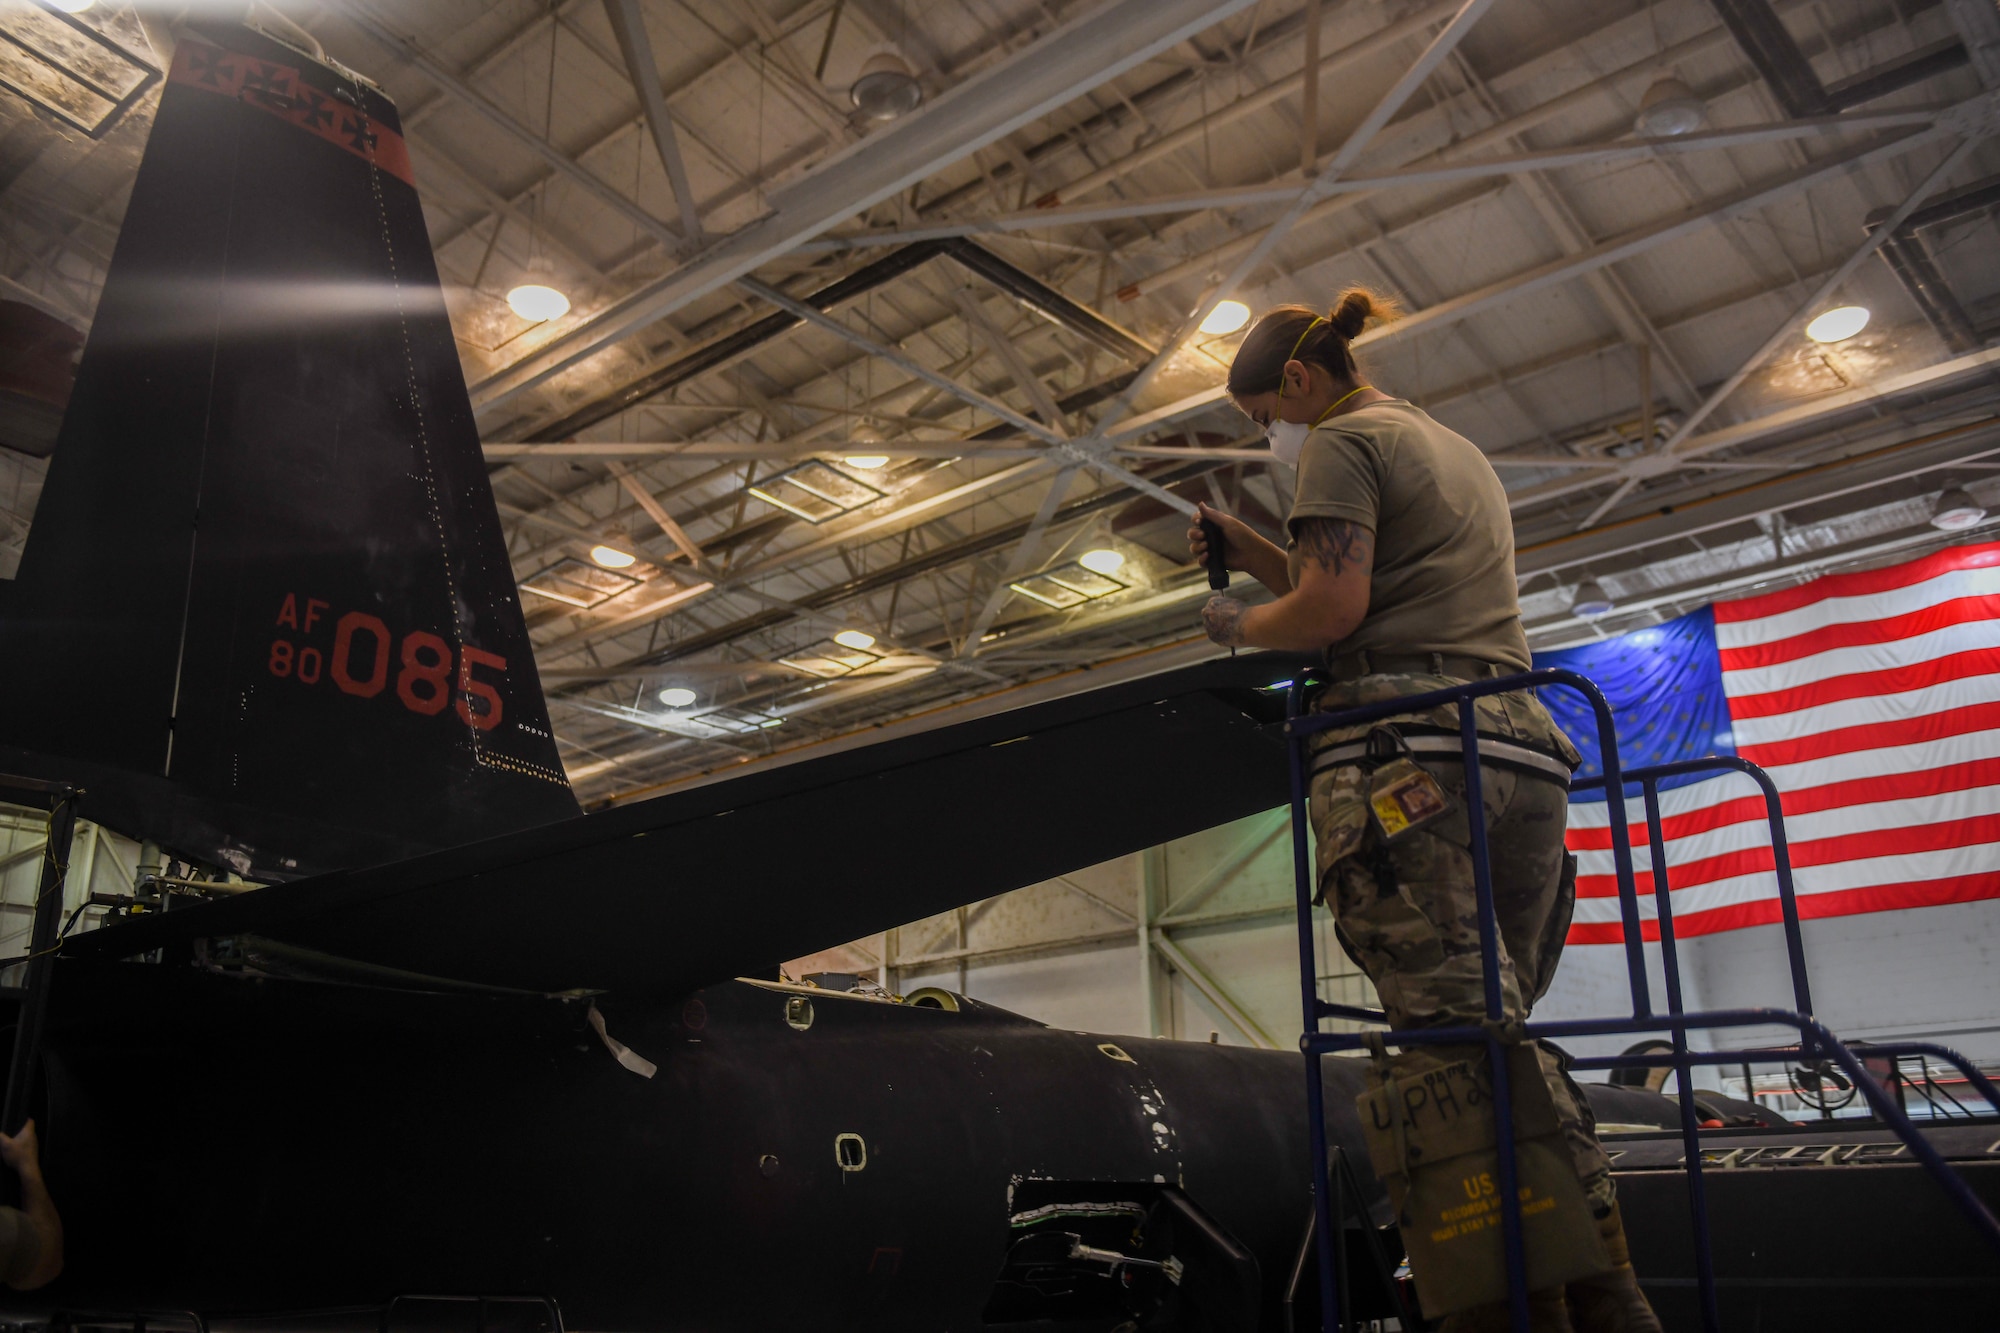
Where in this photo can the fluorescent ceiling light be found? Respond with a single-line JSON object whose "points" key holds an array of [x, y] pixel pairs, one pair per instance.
{"points": [[1227, 317], [815, 491], [731, 721], [71, 71], [613, 558], [1104, 560], [677, 696], [537, 304], [831, 659], [1067, 585], [1838, 324], [867, 462], [828, 659], [859, 640], [575, 583]]}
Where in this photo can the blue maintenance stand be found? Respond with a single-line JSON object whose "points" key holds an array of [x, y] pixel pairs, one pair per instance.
{"points": [[1816, 1043]]}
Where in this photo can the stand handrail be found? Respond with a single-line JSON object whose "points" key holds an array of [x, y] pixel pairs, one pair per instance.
{"points": [[1816, 1042], [1649, 779]]}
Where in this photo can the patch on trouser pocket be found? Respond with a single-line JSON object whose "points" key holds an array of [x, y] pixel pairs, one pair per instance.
{"points": [[1432, 1140]]}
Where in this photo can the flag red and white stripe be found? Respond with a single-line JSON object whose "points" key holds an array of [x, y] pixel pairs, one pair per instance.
{"points": [[1873, 700]]}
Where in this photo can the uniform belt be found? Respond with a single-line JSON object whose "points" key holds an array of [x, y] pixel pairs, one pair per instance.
{"points": [[1362, 662], [1500, 752]]}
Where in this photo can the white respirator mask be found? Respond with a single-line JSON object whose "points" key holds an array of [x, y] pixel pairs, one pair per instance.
{"points": [[1288, 440]]}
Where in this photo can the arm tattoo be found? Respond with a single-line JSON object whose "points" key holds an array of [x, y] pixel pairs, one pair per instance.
{"points": [[1336, 544]]}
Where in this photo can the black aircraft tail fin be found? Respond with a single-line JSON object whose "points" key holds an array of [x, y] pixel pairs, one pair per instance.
{"points": [[266, 613]]}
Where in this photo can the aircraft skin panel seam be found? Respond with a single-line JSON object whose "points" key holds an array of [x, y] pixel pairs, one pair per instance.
{"points": [[369, 140]]}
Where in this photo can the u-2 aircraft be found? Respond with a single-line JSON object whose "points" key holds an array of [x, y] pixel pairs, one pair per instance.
{"points": [[267, 621]]}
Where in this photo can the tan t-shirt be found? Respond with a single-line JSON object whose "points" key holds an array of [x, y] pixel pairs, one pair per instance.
{"points": [[1444, 537]]}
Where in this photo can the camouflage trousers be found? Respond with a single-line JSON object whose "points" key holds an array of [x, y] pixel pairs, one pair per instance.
{"points": [[1406, 911]]}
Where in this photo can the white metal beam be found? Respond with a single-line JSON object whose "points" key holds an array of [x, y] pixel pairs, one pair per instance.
{"points": [[1440, 173], [628, 25], [903, 361], [1066, 882], [1025, 552], [744, 451], [1213, 991], [658, 513], [1315, 193], [1067, 62], [1010, 356], [477, 102], [1569, 267], [1695, 517], [1617, 82], [1978, 22], [1232, 863], [1368, 48], [1062, 450], [49, 306], [1783, 333]]}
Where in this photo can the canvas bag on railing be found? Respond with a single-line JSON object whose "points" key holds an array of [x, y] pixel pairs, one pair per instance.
{"points": [[1438, 1155]]}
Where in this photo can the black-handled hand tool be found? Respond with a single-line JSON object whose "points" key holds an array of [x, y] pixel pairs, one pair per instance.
{"points": [[1218, 569]]}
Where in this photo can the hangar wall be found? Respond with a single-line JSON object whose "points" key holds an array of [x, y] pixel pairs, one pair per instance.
{"points": [[1224, 960], [1222, 956], [1926, 973], [1067, 952], [100, 861]]}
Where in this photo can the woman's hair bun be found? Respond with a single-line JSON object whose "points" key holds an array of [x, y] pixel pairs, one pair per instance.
{"points": [[1289, 332], [1358, 305]]}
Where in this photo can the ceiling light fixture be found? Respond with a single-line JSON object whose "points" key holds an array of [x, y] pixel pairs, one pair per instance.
{"points": [[859, 640], [831, 658], [537, 303], [578, 583], [1104, 560], [1956, 510], [1668, 109], [1591, 600], [1069, 585], [72, 6], [1227, 317], [613, 558], [886, 88], [677, 696], [867, 462], [1838, 324], [815, 491]]}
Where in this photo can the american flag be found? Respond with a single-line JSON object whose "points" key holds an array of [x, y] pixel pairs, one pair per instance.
{"points": [[1873, 700]]}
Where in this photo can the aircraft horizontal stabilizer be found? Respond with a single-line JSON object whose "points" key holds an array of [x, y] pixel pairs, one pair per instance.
{"points": [[733, 878]]}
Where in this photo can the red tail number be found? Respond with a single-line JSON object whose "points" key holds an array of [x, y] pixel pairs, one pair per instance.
{"points": [[488, 717], [423, 682], [343, 655]]}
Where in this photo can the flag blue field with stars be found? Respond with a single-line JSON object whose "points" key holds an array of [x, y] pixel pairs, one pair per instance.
{"points": [[1664, 685]]}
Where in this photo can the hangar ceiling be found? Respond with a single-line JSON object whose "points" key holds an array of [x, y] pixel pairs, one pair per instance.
{"points": [[991, 303]]}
